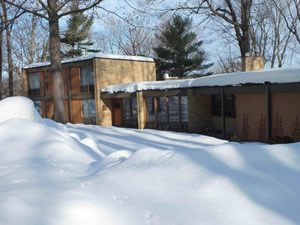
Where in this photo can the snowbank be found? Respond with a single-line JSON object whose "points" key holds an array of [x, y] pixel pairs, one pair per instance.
{"points": [[18, 108]]}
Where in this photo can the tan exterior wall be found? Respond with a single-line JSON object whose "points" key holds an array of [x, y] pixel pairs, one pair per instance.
{"points": [[286, 115], [251, 121], [109, 72]]}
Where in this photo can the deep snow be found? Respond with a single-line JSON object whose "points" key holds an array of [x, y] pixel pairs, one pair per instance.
{"points": [[54, 174]]}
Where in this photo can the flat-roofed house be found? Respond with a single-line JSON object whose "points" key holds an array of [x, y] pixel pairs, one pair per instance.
{"points": [[254, 106], [84, 77]]}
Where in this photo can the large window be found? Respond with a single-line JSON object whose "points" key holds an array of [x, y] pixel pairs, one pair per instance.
{"points": [[129, 112], [229, 105], [169, 113], [87, 79], [89, 111], [34, 84]]}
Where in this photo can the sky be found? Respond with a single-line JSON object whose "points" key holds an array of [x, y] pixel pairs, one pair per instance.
{"points": [[214, 46]]}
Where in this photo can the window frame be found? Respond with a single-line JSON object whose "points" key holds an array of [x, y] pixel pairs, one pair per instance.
{"points": [[34, 91], [229, 106], [89, 116], [89, 87]]}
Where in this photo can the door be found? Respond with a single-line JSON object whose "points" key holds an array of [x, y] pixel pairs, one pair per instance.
{"points": [[117, 112]]}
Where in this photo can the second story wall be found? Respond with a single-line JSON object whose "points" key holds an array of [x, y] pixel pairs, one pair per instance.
{"points": [[114, 71]]}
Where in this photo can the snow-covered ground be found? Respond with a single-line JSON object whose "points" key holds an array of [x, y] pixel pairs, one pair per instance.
{"points": [[53, 174]]}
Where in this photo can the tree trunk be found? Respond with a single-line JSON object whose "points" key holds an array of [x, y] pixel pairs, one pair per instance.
{"points": [[56, 67], [1, 56], [9, 51]]}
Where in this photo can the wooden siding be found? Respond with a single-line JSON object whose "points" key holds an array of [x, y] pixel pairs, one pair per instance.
{"points": [[49, 83], [50, 109], [251, 117], [76, 111], [75, 80], [286, 115]]}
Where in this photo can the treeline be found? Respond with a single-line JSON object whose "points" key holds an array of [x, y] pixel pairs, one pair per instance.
{"points": [[176, 35]]}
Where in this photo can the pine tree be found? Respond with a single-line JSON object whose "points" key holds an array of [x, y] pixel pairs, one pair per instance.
{"points": [[179, 52], [76, 36]]}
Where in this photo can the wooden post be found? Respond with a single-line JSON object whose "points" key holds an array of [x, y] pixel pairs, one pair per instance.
{"points": [[69, 94], [155, 111], [168, 112], [223, 113], [180, 112], [46, 93], [268, 104], [140, 110]]}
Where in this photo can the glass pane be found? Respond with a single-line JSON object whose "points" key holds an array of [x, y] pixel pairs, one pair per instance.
{"points": [[126, 108], [184, 108], [163, 107], [87, 76], [134, 107], [89, 108], [34, 81], [150, 108], [174, 108], [92, 108]]}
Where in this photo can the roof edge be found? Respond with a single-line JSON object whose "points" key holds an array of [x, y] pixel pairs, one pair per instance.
{"points": [[93, 56]]}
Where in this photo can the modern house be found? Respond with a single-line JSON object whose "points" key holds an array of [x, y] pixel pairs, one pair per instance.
{"points": [[254, 106], [121, 91], [84, 77]]}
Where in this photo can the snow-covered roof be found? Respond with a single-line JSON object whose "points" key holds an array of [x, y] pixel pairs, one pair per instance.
{"points": [[290, 75], [92, 56]]}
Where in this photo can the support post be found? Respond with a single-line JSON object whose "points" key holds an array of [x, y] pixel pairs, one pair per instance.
{"points": [[223, 113], [141, 110], [156, 111], [268, 104], [69, 94]]}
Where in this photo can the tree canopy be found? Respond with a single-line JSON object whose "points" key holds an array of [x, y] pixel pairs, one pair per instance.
{"points": [[179, 51], [76, 36]]}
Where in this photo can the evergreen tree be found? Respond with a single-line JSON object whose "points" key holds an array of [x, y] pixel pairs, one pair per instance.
{"points": [[179, 52], [76, 36]]}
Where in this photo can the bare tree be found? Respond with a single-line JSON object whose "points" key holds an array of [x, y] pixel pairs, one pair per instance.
{"points": [[290, 11], [130, 36], [8, 29], [52, 11], [1, 53], [30, 40]]}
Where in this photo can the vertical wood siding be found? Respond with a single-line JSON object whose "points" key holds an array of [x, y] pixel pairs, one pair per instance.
{"points": [[251, 117], [286, 115]]}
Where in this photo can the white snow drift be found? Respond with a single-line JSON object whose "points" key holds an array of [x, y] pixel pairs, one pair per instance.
{"points": [[54, 174]]}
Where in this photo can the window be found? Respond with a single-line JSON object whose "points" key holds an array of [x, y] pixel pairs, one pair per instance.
{"points": [[89, 108], [216, 105], [184, 108], [171, 113], [162, 110], [34, 84], [38, 106], [229, 105], [129, 111], [86, 79]]}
